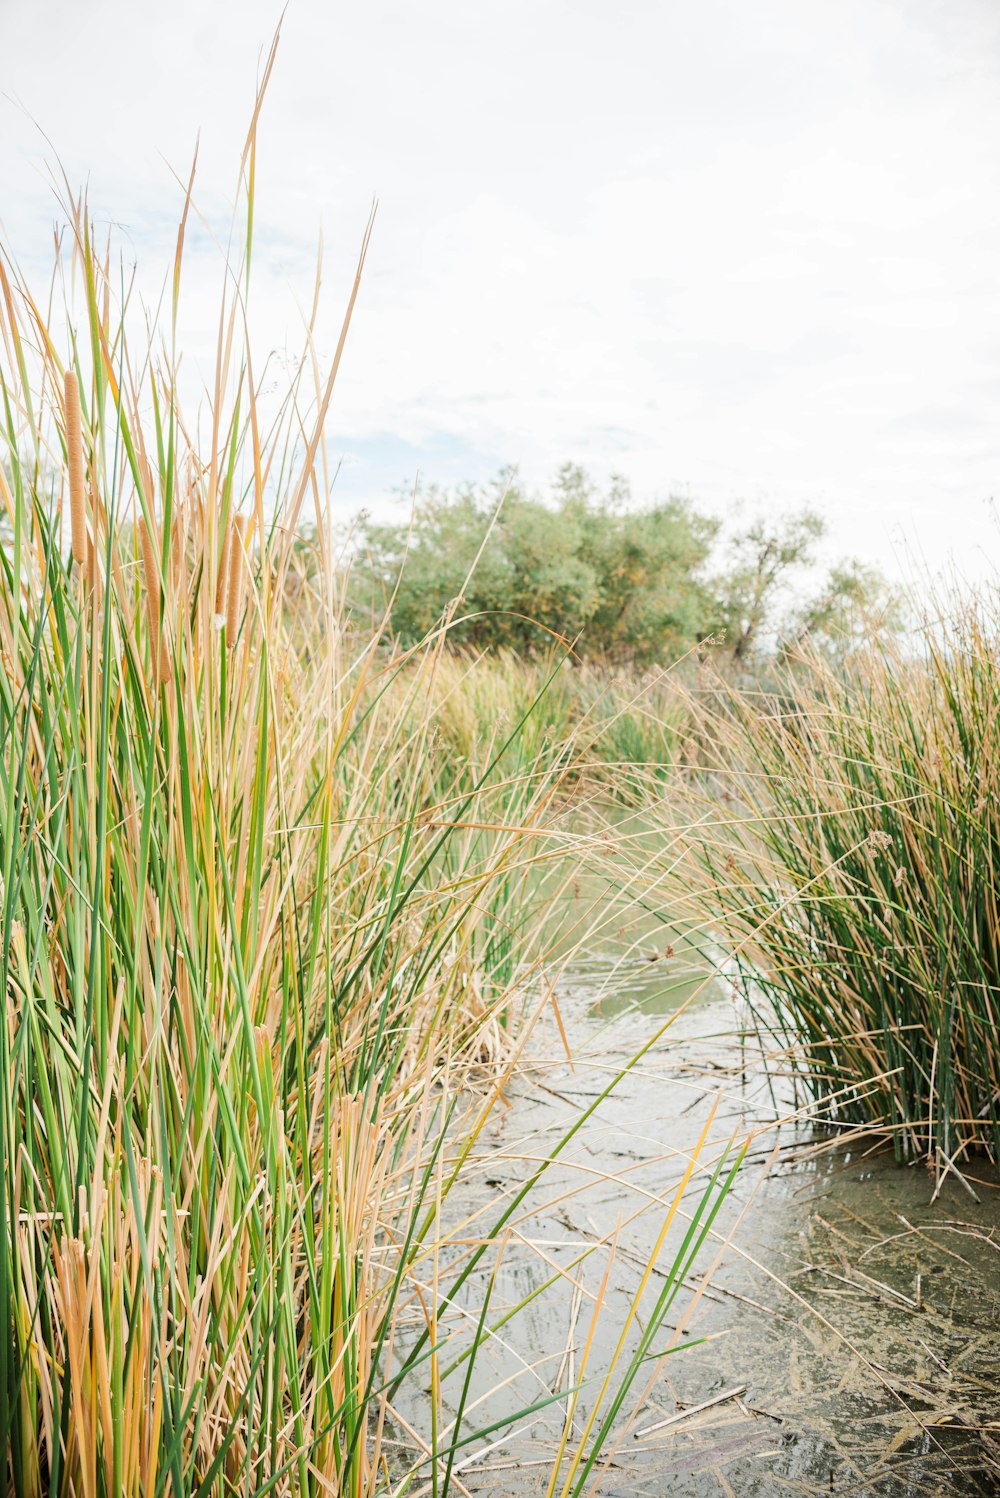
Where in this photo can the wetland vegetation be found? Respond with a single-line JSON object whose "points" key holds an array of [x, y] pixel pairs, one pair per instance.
{"points": [[416, 944]]}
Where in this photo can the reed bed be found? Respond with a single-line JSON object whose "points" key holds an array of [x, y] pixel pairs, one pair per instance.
{"points": [[268, 967], [627, 728], [849, 853]]}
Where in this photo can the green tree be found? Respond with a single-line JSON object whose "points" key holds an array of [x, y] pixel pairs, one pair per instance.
{"points": [[772, 603], [621, 581], [854, 602], [625, 582], [763, 563]]}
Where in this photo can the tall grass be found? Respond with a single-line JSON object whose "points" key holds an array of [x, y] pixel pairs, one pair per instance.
{"points": [[851, 853], [254, 943], [626, 728]]}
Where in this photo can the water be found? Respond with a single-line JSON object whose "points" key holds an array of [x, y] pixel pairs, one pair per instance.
{"points": [[858, 1320]]}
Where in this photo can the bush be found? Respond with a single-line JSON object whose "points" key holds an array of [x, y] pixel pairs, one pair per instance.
{"points": [[618, 583]]}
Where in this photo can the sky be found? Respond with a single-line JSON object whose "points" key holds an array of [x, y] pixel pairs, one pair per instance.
{"points": [[746, 251]]}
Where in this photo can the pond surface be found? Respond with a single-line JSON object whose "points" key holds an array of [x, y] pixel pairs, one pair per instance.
{"points": [[852, 1323]]}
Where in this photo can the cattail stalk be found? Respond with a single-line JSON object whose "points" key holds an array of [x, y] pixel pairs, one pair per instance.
{"points": [[234, 602], [77, 478], [93, 549], [222, 581], [151, 579]]}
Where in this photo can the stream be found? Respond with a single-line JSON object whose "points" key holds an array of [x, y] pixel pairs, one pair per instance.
{"points": [[851, 1323]]}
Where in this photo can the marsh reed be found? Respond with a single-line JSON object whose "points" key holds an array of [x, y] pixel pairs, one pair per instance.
{"points": [[268, 968], [849, 851]]}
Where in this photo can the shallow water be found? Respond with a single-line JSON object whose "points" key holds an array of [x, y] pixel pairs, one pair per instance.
{"points": [[858, 1320]]}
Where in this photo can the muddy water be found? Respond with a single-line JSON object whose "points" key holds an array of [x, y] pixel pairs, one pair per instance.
{"points": [[853, 1322]]}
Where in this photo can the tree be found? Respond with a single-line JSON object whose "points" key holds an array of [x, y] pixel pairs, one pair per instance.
{"points": [[622, 582], [770, 605], [854, 601], [763, 563]]}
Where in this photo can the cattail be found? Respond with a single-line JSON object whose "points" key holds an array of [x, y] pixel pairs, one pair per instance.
{"points": [[77, 479], [234, 603], [222, 580]]}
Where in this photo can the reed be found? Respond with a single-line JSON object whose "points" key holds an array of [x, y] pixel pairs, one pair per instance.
{"points": [[849, 852], [269, 969], [627, 728], [150, 563], [236, 549]]}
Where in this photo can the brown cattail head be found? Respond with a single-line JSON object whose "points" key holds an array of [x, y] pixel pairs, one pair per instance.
{"points": [[222, 581], [234, 602], [178, 537], [77, 478], [151, 579]]}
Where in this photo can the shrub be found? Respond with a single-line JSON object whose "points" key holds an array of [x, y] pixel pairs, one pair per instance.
{"points": [[619, 583]]}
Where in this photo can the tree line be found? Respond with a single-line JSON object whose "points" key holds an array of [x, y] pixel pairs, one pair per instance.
{"points": [[627, 583]]}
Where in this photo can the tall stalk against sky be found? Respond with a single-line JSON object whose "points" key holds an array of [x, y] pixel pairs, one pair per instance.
{"points": [[253, 939]]}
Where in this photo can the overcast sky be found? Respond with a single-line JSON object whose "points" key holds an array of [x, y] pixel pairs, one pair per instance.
{"points": [[737, 249]]}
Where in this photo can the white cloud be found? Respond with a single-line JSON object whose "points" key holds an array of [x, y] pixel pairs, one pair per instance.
{"points": [[739, 250]]}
